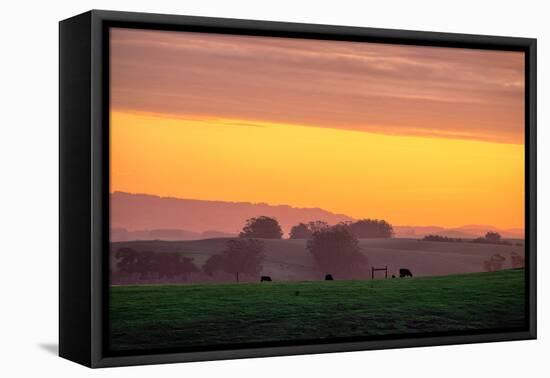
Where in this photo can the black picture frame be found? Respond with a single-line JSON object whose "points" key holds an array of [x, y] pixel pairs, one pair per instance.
{"points": [[84, 180]]}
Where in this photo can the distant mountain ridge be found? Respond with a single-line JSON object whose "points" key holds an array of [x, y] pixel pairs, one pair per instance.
{"points": [[135, 212], [148, 217], [122, 234]]}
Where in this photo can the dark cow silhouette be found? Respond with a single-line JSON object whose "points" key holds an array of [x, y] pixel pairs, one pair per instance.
{"points": [[265, 278], [328, 277], [393, 276], [404, 272]]}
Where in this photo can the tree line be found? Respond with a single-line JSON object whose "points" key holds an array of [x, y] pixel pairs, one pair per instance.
{"points": [[264, 227], [148, 264], [335, 250], [496, 262], [489, 238]]}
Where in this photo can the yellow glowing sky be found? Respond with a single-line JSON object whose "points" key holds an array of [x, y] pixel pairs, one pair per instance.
{"points": [[404, 179], [414, 135]]}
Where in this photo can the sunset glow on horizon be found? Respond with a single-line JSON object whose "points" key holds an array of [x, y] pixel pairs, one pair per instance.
{"points": [[414, 135]]}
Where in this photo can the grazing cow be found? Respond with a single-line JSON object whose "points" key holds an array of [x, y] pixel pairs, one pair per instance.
{"points": [[328, 277], [404, 272], [265, 278], [393, 276]]}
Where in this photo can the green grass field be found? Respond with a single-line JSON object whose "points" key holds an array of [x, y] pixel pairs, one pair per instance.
{"points": [[172, 316]]}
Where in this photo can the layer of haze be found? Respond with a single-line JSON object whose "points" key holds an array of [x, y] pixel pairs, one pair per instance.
{"points": [[414, 135]]}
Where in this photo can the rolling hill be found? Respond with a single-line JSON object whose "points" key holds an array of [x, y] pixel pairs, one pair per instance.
{"points": [[289, 260]]}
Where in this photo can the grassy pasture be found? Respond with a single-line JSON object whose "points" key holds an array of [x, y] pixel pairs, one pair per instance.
{"points": [[171, 316]]}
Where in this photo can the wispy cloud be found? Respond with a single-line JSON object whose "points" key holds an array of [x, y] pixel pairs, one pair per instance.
{"points": [[371, 87]]}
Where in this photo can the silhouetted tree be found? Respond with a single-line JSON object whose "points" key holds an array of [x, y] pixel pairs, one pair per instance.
{"points": [[494, 263], [336, 251], [300, 231], [371, 228], [173, 264], [185, 266], [493, 237], [439, 238], [518, 261], [166, 264], [497, 261], [262, 228], [146, 264], [317, 225], [241, 256], [127, 259], [304, 231], [213, 264]]}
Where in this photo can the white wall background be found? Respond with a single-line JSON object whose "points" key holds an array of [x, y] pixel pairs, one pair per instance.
{"points": [[29, 188]]}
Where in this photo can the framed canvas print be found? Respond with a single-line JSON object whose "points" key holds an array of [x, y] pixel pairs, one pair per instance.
{"points": [[233, 188]]}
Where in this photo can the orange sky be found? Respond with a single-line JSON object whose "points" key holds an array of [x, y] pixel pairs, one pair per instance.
{"points": [[414, 135]]}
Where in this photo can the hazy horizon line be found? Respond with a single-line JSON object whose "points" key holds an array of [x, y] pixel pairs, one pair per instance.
{"points": [[319, 208]]}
